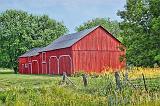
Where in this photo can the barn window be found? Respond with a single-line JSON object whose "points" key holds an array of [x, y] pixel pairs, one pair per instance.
{"points": [[43, 56]]}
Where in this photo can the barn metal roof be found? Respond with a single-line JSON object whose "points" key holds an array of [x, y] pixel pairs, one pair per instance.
{"points": [[67, 40], [63, 42], [32, 52]]}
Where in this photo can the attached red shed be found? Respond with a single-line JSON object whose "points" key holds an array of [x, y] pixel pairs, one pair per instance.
{"points": [[90, 50], [29, 62]]}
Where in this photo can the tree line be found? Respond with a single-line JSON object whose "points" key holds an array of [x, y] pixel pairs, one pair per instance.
{"points": [[139, 31], [20, 31]]}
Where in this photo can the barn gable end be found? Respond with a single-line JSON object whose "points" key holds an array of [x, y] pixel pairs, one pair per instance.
{"points": [[98, 39], [97, 51]]}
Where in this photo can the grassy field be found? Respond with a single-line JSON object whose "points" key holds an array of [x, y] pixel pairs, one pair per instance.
{"points": [[39, 90]]}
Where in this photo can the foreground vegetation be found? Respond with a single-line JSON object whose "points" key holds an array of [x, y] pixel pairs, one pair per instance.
{"points": [[24, 90]]}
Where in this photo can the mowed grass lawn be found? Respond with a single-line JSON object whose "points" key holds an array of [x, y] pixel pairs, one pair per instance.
{"points": [[24, 90], [8, 79]]}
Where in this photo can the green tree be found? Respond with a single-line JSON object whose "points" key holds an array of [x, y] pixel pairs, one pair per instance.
{"points": [[111, 26], [20, 31], [141, 31]]}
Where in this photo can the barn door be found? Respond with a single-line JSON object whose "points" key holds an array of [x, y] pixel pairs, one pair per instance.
{"points": [[53, 65], [65, 64], [35, 67]]}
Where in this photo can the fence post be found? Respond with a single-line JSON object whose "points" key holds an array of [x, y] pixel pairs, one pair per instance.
{"points": [[66, 79], [144, 81], [117, 78], [64, 76], [84, 76], [126, 76]]}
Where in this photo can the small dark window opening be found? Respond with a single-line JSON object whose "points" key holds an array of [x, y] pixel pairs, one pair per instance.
{"points": [[43, 56]]}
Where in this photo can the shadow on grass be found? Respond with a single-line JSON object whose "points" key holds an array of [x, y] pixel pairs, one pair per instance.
{"points": [[43, 75], [9, 71]]}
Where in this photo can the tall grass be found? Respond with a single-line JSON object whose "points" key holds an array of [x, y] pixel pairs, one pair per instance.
{"points": [[52, 96], [136, 72], [24, 90]]}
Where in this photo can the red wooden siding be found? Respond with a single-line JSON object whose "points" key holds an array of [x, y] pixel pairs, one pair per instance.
{"points": [[29, 65], [29, 68], [49, 65], [53, 65], [97, 40], [22, 62], [44, 68], [97, 51], [64, 61], [35, 67], [65, 64], [34, 62]]}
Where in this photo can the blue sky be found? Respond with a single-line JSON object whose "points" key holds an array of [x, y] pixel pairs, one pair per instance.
{"points": [[71, 12]]}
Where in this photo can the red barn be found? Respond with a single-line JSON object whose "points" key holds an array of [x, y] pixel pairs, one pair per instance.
{"points": [[90, 50]]}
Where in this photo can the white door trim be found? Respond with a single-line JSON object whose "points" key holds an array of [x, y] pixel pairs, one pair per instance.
{"points": [[31, 66]]}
